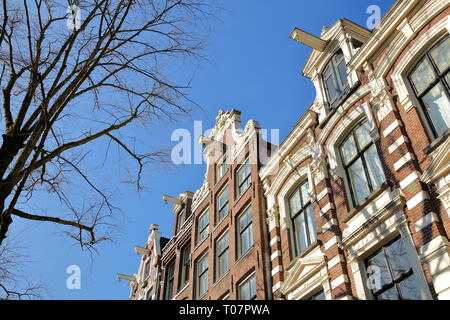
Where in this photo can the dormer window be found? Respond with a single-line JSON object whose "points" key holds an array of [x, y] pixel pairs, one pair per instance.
{"points": [[335, 78]]}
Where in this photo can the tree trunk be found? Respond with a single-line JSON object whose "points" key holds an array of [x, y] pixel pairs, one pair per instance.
{"points": [[5, 221], [8, 150]]}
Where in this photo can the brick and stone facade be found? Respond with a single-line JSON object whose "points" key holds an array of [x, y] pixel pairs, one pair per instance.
{"points": [[407, 174]]}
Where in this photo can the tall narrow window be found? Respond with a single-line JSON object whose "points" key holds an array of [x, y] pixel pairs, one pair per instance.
{"points": [[201, 269], [179, 222], [243, 178], [302, 218], [169, 280], [391, 269], [222, 265], [222, 204], [146, 268], [335, 78], [245, 231], [185, 266], [362, 163], [203, 226], [221, 168], [247, 289], [431, 82]]}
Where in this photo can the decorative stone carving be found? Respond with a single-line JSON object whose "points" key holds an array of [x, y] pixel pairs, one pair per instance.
{"points": [[382, 104], [272, 217], [444, 196], [319, 170], [200, 194]]}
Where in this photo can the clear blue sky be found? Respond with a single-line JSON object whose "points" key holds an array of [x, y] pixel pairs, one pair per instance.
{"points": [[254, 67]]}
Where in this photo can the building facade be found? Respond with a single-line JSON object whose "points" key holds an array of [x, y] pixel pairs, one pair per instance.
{"points": [[145, 284], [355, 202]]}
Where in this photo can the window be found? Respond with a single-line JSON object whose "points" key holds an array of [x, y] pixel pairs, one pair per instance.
{"points": [[221, 168], [149, 294], [222, 265], [185, 266], [146, 269], [243, 178], [392, 273], [179, 222], [222, 204], [318, 296], [203, 226], [302, 218], [245, 231], [201, 268], [169, 280], [361, 162], [431, 82], [247, 289], [335, 78]]}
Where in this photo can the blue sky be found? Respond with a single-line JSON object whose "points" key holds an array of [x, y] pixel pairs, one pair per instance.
{"points": [[254, 67]]}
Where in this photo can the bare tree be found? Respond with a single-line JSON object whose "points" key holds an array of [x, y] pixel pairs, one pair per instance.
{"points": [[69, 84], [14, 284]]}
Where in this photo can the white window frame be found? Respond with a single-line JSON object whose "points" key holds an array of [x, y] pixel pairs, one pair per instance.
{"points": [[218, 276], [199, 295], [403, 68], [197, 233], [247, 278], [362, 249]]}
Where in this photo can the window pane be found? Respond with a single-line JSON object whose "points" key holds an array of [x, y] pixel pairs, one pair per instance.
{"points": [[332, 88], [342, 68], [202, 276], [438, 108], [390, 294], [247, 290], [246, 240], [305, 192], [202, 264], [222, 244], [223, 197], [423, 75], [348, 149], [363, 134], [358, 181], [222, 204], [300, 232], [408, 289], [243, 172], [245, 219], [441, 55], [374, 167], [318, 296], [377, 270], [311, 224], [203, 284], [397, 258], [294, 203]]}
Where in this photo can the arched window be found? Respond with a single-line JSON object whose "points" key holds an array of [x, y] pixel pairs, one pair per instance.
{"points": [[361, 162], [431, 82], [302, 218], [335, 78]]}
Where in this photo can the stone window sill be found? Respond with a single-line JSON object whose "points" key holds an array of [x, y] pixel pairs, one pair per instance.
{"points": [[364, 204]]}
